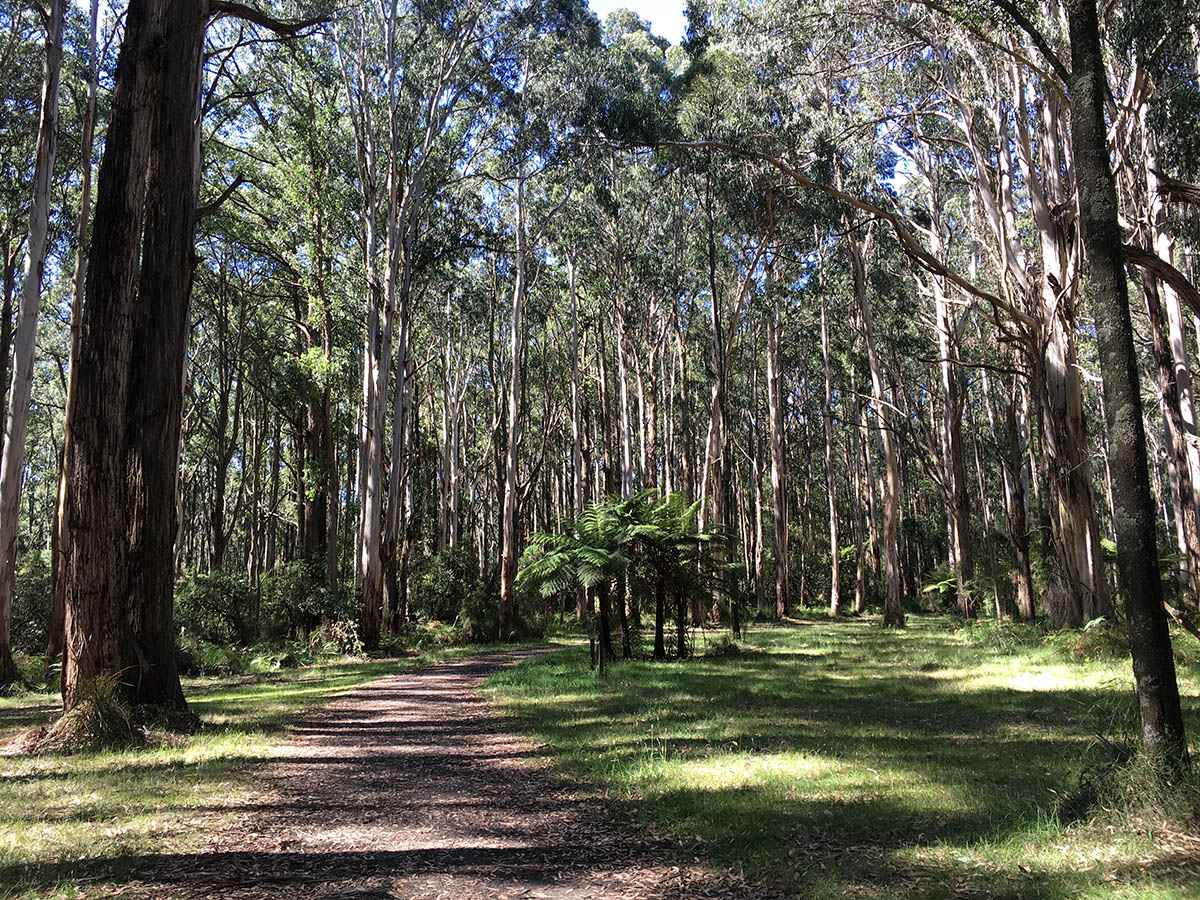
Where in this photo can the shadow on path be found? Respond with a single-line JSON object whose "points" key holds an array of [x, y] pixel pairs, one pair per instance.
{"points": [[408, 787]]}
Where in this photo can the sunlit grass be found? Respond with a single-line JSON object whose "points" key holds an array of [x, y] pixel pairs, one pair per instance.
{"points": [[839, 759]]}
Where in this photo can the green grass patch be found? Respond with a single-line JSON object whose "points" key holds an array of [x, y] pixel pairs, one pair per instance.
{"points": [[65, 817], [834, 759]]}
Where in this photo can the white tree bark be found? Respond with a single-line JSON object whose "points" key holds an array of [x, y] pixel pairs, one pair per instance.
{"points": [[25, 335]]}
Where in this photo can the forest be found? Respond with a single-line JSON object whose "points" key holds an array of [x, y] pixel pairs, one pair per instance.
{"points": [[340, 334]]}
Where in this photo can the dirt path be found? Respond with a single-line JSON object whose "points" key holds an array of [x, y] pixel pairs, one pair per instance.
{"points": [[412, 787]]}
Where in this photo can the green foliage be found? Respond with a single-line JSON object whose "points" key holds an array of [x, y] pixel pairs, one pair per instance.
{"points": [[220, 608], [939, 588], [724, 647], [32, 602], [648, 539], [333, 641], [197, 657], [336, 639], [479, 615], [1001, 636], [295, 601], [441, 583], [1100, 640]]}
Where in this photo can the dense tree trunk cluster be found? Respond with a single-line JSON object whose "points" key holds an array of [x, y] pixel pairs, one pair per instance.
{"points": [[351, 326]]}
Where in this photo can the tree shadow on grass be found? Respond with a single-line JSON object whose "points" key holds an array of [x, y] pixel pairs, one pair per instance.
{"points": [[911, 761]]}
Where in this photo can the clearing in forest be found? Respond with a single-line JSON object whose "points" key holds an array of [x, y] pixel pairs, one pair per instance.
{"points": [[822, 760]]}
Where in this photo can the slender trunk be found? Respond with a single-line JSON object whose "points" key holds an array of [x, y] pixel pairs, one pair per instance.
{"points": [[835, 559], [853, 458], [577, 464], [54, 643], [508, 553], [276, 465], [660, 610], [623, 618], [680, 626], [1178, 468], [954, 463], [779, 485], [623, 411], [1014, 505], [25, 335], [893, 612], [9, 262], [606, 644]]}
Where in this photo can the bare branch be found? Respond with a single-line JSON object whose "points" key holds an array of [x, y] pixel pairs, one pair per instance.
{"points": [[1165, 272], [209, 208], [287, 27], [1177, 191]]}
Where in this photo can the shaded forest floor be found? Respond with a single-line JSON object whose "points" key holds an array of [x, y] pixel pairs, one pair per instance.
{"points": [[820, 759], [410, 786], [835, 759]]}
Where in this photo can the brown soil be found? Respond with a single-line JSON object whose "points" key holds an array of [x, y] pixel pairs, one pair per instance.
{"points": [[412, 787]]}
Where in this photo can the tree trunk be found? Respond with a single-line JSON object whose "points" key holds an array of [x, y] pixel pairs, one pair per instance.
{"points": [[779, 485], [9, 263], [1179, 470], [1137, 556], [660, 611], [893, 613], [680, 626], [508, 529], [606, 643], [160, 337], [17, 420], [835, 559], [577, 464], [54, 642], [124, 425]]}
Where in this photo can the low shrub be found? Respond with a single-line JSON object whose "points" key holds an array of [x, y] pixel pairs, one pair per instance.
{"points": [[441, 582], [99, 720], [724, 647], [295, 602], [31, 668], [479, 614], [221, 608], [197, 658], [1001, 635], [1099, 640], [336, 639]]}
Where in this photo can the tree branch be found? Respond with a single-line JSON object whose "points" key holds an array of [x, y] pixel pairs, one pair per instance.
{"points": [[1177, 191], [287, 27], [209, 208], [908, 241], [1166, 273], [1039, 39]]}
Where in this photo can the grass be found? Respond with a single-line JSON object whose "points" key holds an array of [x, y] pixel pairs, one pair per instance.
{"points": [[836, 759], [86, 816]]}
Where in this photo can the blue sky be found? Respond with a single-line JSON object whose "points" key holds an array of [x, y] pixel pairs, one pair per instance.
{"points": [[665, 16]]}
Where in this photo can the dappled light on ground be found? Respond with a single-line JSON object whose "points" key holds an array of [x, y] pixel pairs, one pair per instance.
{"points": [[836, 758]]}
